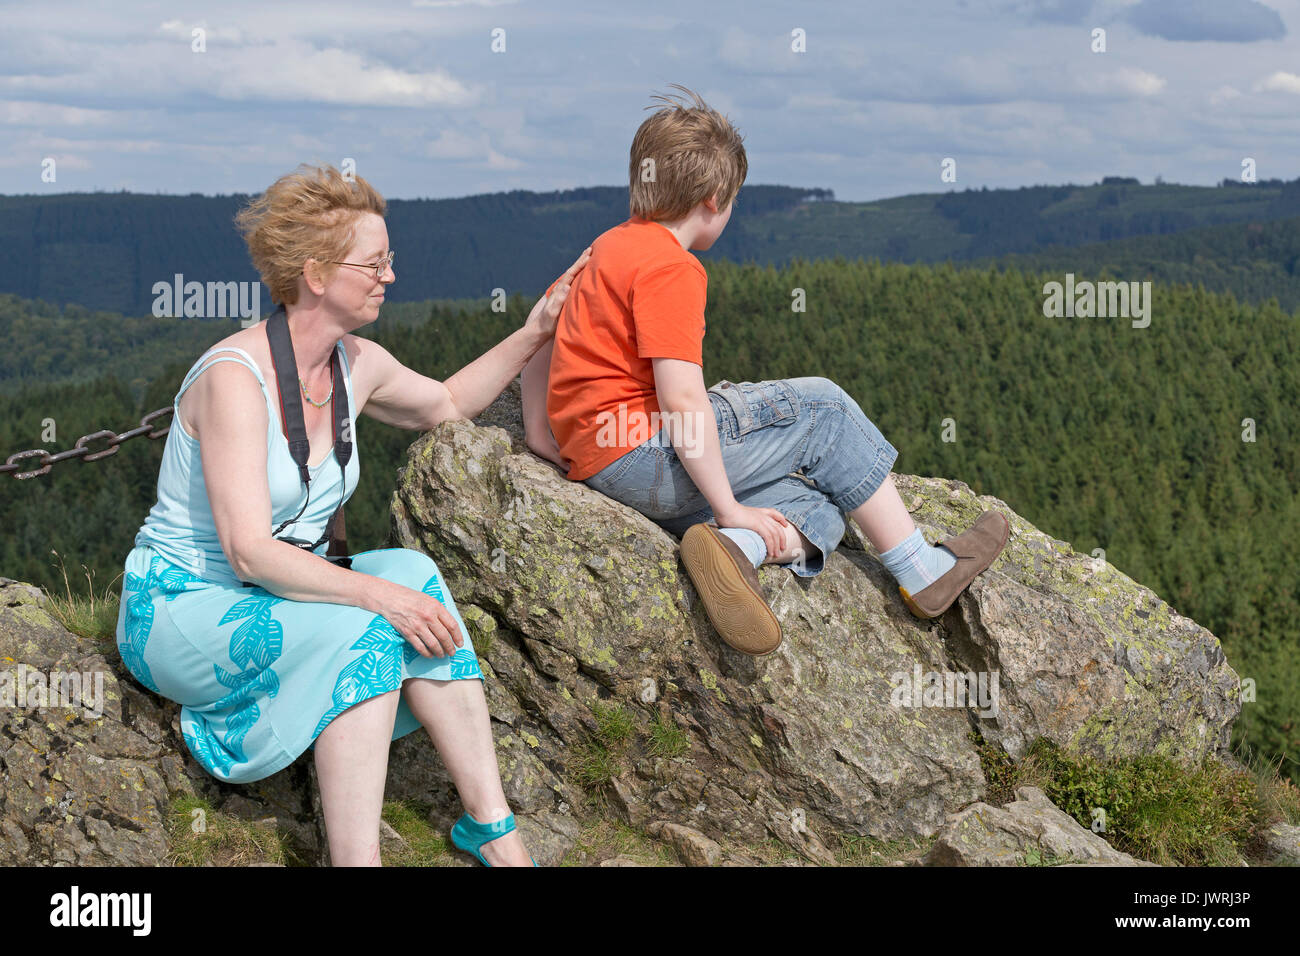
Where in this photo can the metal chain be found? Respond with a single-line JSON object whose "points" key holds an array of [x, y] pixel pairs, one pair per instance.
{"points": [[10, 467], [338, 544]]}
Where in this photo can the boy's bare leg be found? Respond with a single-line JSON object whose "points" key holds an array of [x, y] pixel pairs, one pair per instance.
{"points": [[883, 517]]}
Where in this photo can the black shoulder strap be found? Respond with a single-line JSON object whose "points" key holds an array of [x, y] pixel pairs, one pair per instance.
{"points": [[286, 377]]}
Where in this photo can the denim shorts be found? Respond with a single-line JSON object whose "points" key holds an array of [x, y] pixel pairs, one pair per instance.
{"points": [[801, 446]]}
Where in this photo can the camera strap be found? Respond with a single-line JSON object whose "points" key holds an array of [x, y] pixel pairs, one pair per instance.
{"points": [[286, 376]]}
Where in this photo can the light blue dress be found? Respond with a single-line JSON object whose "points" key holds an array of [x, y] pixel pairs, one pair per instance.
{"points": [[258, 676]]}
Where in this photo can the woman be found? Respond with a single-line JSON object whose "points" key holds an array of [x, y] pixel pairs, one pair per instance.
{"points": [[272, 650]]}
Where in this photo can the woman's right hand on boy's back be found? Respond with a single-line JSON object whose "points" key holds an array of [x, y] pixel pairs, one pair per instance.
{"points": [[546, 312], [769, 524]]}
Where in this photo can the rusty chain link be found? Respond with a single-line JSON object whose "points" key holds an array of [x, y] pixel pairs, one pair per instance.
{"points": [[338, 543], [79, 450]]}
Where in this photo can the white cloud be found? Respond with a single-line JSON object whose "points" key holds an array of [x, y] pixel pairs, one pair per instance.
{"points": [[162, 70], [1279, 82], [297, 71], [462, 3], [1223, 94], [459, 147], [185, 31], [454, 145], [1126, 80], [29, 113]]}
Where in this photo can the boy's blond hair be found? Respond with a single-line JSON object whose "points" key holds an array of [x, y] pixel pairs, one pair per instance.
{"points": [[681, 156], [310, 213]]}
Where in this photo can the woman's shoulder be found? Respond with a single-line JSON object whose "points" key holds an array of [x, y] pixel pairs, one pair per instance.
{"points": [[253, 342], [249, 342], [222, 377]]}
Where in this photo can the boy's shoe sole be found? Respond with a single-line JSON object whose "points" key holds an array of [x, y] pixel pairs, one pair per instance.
{"points": [[975, 548], [728, 586]]}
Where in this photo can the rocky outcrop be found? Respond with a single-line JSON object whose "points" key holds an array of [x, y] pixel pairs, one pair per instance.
{"points": [[91, 784], [611, 694], [1029, 829], [1282, 844], [579, 604]]}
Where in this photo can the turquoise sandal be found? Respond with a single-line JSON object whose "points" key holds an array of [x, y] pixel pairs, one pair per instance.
{"points": [[469, 835]]}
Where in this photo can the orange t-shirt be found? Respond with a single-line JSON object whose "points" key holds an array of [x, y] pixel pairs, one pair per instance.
{"points": [[640, 296]]}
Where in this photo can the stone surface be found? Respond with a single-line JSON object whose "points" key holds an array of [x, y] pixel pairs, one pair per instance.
{"points": [[579, 605], [984, 835], [89, 785], [693, 847], [1282, 844], [574, 599]]}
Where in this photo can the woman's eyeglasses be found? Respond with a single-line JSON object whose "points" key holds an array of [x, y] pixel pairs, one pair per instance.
{"points": [[379, 267]]}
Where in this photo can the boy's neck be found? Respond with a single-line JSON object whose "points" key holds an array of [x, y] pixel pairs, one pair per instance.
{"points": [[700, 227], [683, 230]]}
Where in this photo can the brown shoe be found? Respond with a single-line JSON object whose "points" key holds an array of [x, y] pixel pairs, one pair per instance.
{"points": [[975, 548], [728, 585]]}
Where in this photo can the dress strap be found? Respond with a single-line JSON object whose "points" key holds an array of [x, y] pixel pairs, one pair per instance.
{"points": [[199, 368]]}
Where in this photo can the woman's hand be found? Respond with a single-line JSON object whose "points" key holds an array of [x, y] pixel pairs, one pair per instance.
{"points": [[547, 310], [769, 523], [422, 620]]}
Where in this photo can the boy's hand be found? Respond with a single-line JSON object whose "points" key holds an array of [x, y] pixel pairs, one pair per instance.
{"points": [[547, 310], [543, 446], [767, 522]]}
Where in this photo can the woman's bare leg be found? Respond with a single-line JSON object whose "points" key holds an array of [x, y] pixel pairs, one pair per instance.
{"points": [[351, 765], [455, 714]]}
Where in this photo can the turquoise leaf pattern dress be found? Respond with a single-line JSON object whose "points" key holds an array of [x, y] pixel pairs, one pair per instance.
{"points": [[259, 677]]}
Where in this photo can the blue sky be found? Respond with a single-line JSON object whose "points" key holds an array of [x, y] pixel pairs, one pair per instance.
{"points": [[415, 94]]}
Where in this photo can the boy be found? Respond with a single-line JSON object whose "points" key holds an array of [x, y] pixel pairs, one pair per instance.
{"points": [[747, 474]]}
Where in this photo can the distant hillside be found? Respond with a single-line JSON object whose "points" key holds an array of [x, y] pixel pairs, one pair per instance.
{"points": [[106, 250], [1255, 261], [44, 344]]}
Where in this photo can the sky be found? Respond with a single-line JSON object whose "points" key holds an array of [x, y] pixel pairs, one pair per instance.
{"points": [[444, 98]]}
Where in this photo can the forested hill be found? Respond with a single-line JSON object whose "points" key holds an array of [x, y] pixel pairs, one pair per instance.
{"points": [[1171, 447], [106, 250], [1255, 261]]}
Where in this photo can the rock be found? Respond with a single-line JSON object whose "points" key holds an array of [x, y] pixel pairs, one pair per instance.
{"points": [[88, 789], [574, 601], [390, 841], [78, 789], [692, 846], [1282, 844], [620, 861], [984, 835]]}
